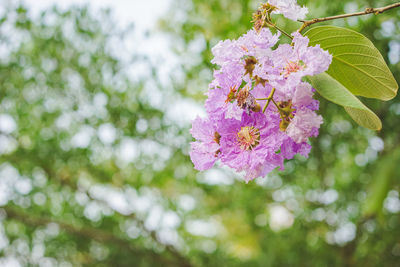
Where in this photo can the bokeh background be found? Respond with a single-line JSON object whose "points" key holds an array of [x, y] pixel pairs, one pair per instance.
{"points": [[95, 111]]}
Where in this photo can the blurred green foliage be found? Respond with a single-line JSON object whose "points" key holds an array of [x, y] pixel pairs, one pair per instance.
{"points": [[94, 172]]}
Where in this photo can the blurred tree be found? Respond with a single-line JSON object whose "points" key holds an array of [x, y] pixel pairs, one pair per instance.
{"points": [[78, 146]]}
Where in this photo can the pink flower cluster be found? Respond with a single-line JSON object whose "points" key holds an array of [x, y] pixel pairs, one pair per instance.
{"points": [[260, 111], [289, 9]]}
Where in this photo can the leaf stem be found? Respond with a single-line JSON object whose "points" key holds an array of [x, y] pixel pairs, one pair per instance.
{"points": [[367, 11]]}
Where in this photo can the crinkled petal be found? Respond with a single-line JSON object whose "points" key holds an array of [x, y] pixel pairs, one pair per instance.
{"points": [[290, 149], [226, 51], [303, 95], [289, 8], [202, 129], [203, 155], [303, 125]]}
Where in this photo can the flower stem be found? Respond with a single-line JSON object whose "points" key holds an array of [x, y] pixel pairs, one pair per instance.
{"points": [[277, 106], [269, 98], [367, 11], [270, 24]]}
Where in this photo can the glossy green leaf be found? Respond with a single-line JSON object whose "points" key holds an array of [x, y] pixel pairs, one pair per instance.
{"points": [[357, 64], [335, 92]]}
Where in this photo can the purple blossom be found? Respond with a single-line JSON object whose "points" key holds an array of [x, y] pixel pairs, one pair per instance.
{"points": [[303, 97], [236, 132], [254, 44], [289, 8], [204, 151], [295, 62], [218, 106], [258, 42], [251, 144], [303, 125], [290, 148], [225, 52]]}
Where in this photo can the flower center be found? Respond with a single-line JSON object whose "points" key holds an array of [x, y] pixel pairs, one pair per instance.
{"points": [[293, 67], [244, 48], [250, 64], [246, 101], [268, 7], [248, 137], [242, 97], [231, 95]]}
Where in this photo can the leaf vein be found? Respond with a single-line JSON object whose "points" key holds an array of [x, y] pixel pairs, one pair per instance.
{"points": [[357, 54], [344, 44], [365, 73], [331, 37]]}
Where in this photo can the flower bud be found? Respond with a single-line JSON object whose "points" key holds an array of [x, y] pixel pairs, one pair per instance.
{"points": [[256, 107]]}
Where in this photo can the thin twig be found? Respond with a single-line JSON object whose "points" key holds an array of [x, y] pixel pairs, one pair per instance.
{"points": [[69, 183], [90, 233], [282, 31], [277, 106], [269, 98], [367, 11]]}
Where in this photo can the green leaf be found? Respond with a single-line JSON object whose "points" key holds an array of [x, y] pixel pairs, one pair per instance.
{"points": [[357, 63], [379, 188], [335, 92]]}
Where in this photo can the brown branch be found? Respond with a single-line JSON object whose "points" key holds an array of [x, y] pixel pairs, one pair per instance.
{"points": [[367, 11], [93, 234], [66, 182], [153, 234], [81, 231]]}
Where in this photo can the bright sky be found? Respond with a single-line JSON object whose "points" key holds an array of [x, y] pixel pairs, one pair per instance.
{"points": [[143, 13]]}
